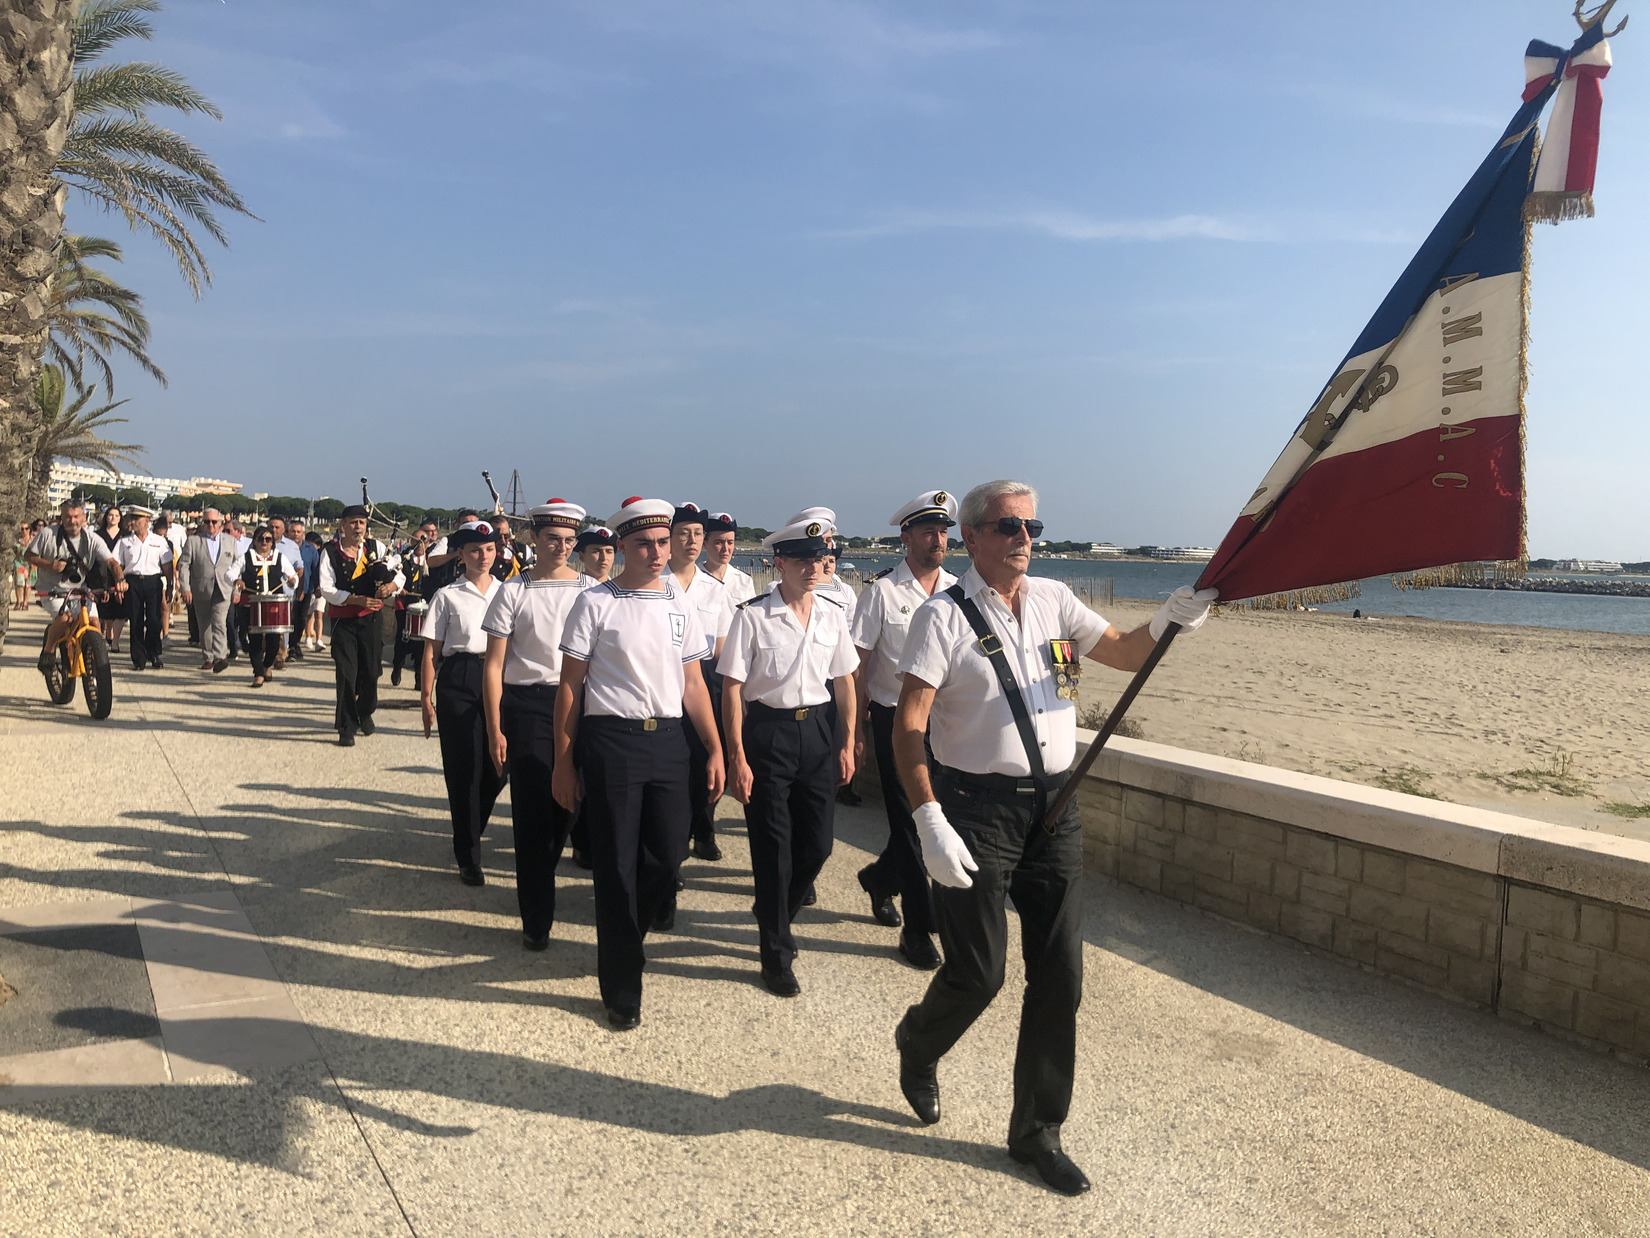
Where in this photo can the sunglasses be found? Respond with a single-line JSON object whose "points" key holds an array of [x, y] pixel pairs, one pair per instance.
{"points": [[1008, 526]]}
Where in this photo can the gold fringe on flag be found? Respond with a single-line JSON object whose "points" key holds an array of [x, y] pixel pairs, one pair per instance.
{"points": [[1297, 599], [1555, 206], [1473, 575]]}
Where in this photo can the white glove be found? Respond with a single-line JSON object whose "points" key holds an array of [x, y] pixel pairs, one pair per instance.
{"points": [[1184, 607], [944, 853]]}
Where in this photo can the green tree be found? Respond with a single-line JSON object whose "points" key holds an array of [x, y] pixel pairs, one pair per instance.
{"points": [[92, 316], [329, 509], [118, 157], [72, 431], [135, 494], [91, 492]]}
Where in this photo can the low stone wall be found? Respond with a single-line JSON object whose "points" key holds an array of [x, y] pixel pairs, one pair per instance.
{"points": [[1541, 923]]}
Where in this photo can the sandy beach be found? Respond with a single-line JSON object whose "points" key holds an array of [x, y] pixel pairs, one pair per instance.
{"points": [[1544, 723]]}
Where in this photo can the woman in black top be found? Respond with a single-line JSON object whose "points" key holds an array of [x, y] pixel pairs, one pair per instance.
{"points": [[264, 570], [112, 614]]}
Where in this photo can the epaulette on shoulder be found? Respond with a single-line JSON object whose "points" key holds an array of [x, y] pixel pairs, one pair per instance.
{"points": [[884, 572], [748, 601]]}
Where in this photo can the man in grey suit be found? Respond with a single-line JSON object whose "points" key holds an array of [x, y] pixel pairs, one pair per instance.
{"points": [[206, 573]]}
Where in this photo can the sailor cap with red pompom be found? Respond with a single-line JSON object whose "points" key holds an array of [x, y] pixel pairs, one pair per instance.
{"points": [[553, 513], [638, 513]]}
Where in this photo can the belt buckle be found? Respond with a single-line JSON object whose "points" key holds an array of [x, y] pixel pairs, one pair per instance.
{"points": [[650, 724], [990, 644], [801, 714]]}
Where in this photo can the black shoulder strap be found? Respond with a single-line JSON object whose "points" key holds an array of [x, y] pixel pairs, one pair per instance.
{"points": [[992, 647], [885, 571]]}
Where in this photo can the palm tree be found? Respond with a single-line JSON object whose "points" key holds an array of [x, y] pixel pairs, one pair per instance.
{"points": [[81, 329], [73, 432], [119, 158]]}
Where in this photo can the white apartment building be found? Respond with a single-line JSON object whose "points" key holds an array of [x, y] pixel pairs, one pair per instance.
{"points": [[65, 477]]}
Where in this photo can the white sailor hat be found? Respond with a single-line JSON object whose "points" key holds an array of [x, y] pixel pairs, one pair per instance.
{"points": [[135, 510], [471, 533], [556, 512], [687, 513], [824, 515], [638, 513], [800, 539], [930, 505]]}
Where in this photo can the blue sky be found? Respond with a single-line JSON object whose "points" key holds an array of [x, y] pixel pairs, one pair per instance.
{"points": [[763, 255]]}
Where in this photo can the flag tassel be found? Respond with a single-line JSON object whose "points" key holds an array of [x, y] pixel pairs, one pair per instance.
{"points": [[1553, 207]]}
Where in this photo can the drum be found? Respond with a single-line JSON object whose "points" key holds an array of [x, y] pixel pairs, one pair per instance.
{"points": [[416, 611], [271, 613]]}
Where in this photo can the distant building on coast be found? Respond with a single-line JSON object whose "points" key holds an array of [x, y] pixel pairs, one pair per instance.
{"points": [[65, 477], [1182, 554], [1587, 565], [1103, 548]]}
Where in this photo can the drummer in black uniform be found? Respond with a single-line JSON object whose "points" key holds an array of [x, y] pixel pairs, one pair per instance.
{"points": [[630, 681], [264, 571], [453, 630], [524, 629], [785, 759]]}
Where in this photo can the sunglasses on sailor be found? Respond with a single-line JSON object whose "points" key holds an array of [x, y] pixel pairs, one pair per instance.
{"points": [[1009, 526]]}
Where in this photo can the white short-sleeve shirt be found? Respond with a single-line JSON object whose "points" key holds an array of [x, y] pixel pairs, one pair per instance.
{"points": [[714, 603], [881, 622], [842, 592], [143, 556], [741, 587], [781, 664], [456, 614], [635, 642], [531, 614], [971, 727]]}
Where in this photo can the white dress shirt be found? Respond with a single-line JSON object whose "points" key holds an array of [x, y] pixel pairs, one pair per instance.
{"points": [[635, 642], [881, 622], [457, 612], [741, 588], [531, 615], [143, 556], [971, 727], [779, 662]]}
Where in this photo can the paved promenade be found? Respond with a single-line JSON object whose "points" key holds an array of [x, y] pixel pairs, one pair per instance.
{"points": [[254, 998]]}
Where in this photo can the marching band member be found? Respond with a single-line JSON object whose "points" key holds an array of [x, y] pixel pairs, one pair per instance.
{"points": [[415, 566], [710, 597], [263, 570], [454, 630], [786, 760], [630, 672], [510, 561], [595, 549], [524, 624], [357, 574], [146, 557], [880, 624]]}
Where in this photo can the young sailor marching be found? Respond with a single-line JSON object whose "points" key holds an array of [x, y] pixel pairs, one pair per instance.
{"points": [[785, 759], [710, 596], [721, 531], [524, 629], [357, 574], [264, 570], [832, 585], [453, 630], [595, 550], [880, 624], [630, 680]]}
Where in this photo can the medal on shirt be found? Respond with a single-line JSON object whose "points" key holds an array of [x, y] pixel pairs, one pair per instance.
{"points": [[1067, 672]]}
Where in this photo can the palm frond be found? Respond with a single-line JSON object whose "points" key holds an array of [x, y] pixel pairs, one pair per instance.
{"points": [[133, 87], [93, 317], [100, 24]]}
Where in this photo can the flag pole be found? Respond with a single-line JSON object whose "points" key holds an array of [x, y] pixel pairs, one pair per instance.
{"points": [[1113, 721]]}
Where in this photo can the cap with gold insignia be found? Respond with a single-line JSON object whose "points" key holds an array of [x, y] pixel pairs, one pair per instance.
{"points": [[135, 510], [637, 513], [937, 506], [556, 513], [800, 539]]}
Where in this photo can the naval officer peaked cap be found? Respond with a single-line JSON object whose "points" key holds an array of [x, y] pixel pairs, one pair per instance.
{"points": [[638, 513], [601, 535], [930, 505], [801, 539], [556, 512], [135, 510], [687, 513], [720, 522], [824, 515], [471, 533]]}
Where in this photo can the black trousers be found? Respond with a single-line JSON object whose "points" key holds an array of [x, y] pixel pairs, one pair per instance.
{"points": [[264, 648], [300, 615], [527, 715], [899, 869], [357, 660], [794, 773], [240, 618], [145, 602], [472, 782], [1043, 873], [636, 809], [407, 650], [194, 626], [701, 811]]}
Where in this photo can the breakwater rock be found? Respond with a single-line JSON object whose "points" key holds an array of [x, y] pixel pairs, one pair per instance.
{"points": [[1565, 584]]}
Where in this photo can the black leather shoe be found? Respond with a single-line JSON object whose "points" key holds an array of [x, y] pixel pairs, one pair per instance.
{"points": [[157, 665], [471, 875], [368, 726], [918, 950], [346, 739], [706, 849], [882, 905], [665, 920], [847, 795], [221, 665], [535, 944], [395, 678], [1055, 1168], [921, 1084], [810, 898], [781, 981], [624, 1018]]}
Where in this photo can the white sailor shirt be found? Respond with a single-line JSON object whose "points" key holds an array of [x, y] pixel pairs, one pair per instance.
{"points": [[456, 615], [143, 556], [714, 604], [881, 622], [531, 615], [635, 643], [841, 592], [971, 727], [780, 663], [741, 587]]}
